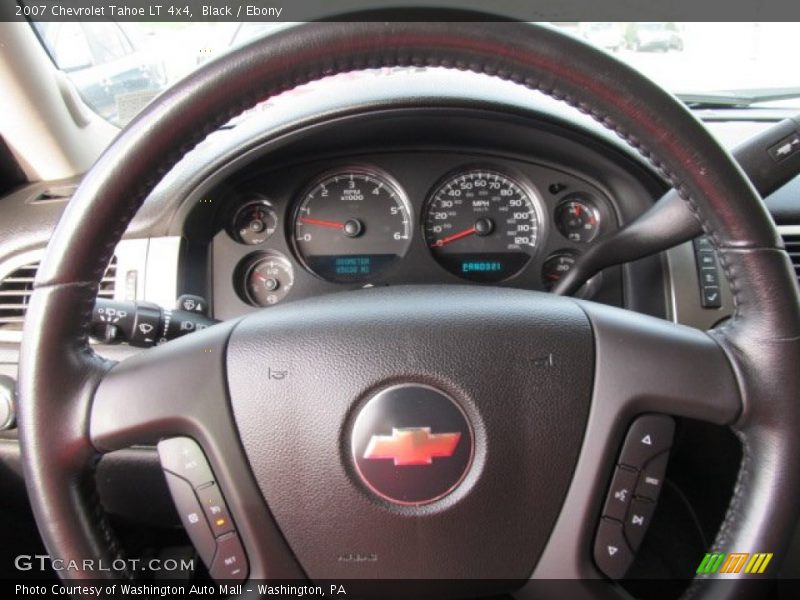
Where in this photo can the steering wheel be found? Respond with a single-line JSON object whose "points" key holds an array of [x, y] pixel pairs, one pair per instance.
{"points": [[529, 395]]}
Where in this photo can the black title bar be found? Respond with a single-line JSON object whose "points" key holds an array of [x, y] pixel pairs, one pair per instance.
{"points": [[383, 10]]}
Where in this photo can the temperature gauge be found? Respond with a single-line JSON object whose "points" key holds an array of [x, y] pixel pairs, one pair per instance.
{"points": [[254, 222], [577, 219], [266, 280]]}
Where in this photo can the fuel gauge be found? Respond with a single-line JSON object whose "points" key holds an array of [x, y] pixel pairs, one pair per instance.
{"points": [[266, 279]]}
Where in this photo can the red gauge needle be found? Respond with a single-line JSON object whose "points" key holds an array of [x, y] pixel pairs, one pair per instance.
{"points": [[454, 237], [259, 276], [321, 223]]}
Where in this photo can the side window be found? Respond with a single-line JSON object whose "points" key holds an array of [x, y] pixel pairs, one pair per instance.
{"points": [[108, 42]]}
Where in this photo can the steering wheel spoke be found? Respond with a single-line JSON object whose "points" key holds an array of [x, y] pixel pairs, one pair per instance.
{"points": [[177, 389], [644, 366], [176, 396]]}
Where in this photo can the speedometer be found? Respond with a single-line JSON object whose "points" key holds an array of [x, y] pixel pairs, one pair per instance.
{"points": [[482, 225]]}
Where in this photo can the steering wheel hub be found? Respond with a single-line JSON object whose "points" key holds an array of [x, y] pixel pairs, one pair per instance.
{"points": [[411, 444], [392, 423]]}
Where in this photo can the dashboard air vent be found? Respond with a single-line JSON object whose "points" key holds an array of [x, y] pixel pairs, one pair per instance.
{"points": [[56, 192], [792, 243], [17, 287]]}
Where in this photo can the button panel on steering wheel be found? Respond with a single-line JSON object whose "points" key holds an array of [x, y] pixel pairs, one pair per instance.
{"points": [[202, 508], [631, 499]]}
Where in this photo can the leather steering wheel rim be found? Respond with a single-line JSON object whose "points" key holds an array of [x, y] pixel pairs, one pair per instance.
{"points": [[59, 371]]}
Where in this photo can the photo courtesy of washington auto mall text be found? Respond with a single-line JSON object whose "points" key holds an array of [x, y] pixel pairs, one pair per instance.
{"points": [[127, 590]]}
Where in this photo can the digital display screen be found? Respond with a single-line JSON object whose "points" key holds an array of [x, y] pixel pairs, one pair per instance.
{"points": [[352, 265], [485, 267], [350, 268], [481, 267]]}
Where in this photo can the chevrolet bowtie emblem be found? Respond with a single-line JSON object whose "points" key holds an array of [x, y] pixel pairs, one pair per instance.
{"points": [[412, 446]]}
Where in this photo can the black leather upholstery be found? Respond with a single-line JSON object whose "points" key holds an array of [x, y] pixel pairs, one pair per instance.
{"points": [[58, 370]]}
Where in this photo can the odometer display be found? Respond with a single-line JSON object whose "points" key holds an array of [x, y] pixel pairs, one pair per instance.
{"points": [[482, 225], [352, 226]]}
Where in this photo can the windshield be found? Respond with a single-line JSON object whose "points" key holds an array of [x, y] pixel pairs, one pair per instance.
{"points": [[119, 67]]}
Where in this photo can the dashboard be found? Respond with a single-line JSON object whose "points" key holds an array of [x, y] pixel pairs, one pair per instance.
{"points": [[414, 195], [439, 182], [405, 217]]}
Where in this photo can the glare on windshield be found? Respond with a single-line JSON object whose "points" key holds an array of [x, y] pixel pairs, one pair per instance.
{"points": [[117, 68]]}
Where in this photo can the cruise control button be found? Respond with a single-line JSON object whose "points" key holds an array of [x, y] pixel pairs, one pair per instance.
{"points": [[620, 493], [191, 515], [648, 436], [183, 457], [638, 521], [611, 552], [651, 479], [230, 562], [215, 509]]}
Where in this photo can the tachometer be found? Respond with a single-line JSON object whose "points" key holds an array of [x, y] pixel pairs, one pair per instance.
{"points": [[482, 225], [352, 226]]}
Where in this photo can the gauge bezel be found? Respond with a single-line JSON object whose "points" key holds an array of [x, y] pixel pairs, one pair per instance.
{"points": [[233, 231], [358, 169], [518, 178], [589, 289], [590, 203], [245, 267], [564, 252]]}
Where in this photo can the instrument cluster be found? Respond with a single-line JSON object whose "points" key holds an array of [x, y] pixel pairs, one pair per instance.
{"points": [[360, 224]]}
